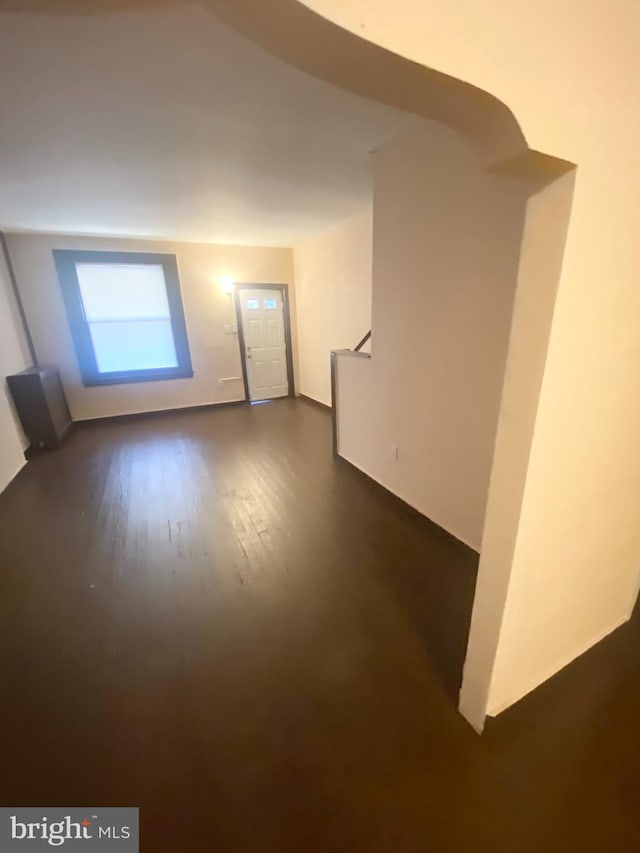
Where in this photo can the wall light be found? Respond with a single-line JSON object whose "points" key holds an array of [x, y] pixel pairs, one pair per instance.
{"points": [[226, 283]]}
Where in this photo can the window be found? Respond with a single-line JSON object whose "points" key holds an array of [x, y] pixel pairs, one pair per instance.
{"points": [[270, 304], [253, 304], [126, 317]]}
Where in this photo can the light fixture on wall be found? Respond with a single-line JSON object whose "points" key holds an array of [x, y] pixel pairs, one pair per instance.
{"points": [[226, 283]]}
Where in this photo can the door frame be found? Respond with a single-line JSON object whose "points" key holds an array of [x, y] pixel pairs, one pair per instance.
{"points": [[284, 290]]}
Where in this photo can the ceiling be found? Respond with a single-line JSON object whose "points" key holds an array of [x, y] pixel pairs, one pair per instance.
{"points": [[165, 123]]}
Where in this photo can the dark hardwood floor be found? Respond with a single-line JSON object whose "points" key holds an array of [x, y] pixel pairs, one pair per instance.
{"points": [[206, 616]]}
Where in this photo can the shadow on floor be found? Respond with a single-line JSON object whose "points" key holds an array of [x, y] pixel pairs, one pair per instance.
{"points": [[430, 573]]}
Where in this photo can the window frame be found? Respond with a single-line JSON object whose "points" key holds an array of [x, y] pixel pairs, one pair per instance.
{"points": [[66, 260]]}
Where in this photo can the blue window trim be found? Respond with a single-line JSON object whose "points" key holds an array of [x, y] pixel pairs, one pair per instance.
{"points": [[66, 260]]}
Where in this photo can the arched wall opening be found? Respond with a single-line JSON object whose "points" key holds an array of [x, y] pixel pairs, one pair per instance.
{"points": [[544, 195], [543, 187], [574, 575]]}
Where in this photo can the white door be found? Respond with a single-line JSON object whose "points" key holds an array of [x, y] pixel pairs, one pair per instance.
{"points": [[262, 313]]}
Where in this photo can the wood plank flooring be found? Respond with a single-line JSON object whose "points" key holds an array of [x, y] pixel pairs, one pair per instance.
{"points": [[207, 616]]}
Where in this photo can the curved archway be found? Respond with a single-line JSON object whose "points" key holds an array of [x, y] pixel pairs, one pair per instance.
{"points": [[310, 42], [303, 38]]}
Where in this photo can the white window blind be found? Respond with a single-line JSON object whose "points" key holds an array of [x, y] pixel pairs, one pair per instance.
{"points": [[127, 311]]}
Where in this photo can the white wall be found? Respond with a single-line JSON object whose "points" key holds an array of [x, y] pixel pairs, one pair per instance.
{"points": [[445, 259], [215, 354], [333, 294], [13, 358]]}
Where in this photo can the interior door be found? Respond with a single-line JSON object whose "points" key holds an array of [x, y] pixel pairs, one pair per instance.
{"points": [[262, 313]]}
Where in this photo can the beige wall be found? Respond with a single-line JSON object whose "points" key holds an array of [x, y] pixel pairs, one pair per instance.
{"points": [[541, 257], [333, 292], [445, 259], [576, 562], [574, 576], [13, 358], [214, 353]]}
